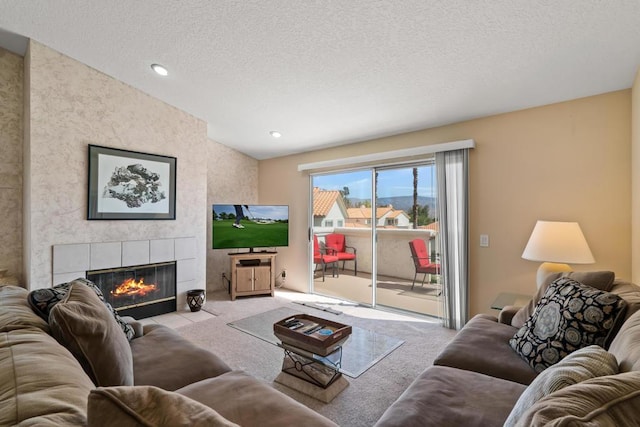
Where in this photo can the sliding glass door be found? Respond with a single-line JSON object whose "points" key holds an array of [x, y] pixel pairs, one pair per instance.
{"points": [[407, 254], [363, 223], [341, 235]]}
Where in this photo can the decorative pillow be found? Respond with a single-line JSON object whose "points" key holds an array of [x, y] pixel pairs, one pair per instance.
{"points": [[583, 364], [15, 313], [83, 324], [602, 280], [569, 316], [149, 406], [626, 346], [604, 401], [43, 300]]}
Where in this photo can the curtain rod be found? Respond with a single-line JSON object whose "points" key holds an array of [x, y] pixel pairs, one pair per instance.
{"points": [[388, 155]]}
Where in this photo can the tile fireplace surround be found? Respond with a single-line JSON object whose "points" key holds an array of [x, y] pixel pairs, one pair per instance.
{"points": [[71, 261]]}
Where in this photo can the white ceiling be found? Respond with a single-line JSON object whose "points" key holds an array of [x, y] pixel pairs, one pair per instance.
{"points": [[331, 72]]}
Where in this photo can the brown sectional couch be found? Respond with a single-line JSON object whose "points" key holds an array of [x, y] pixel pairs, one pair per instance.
{"points": [[478, 378], [175, 382], [475, 381]]}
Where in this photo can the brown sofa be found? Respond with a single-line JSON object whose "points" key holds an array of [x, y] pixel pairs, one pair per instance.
{"points": [[174, 382], [478, 378]]}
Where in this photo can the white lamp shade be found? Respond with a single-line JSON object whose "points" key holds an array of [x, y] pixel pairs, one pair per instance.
{"points": [[558, 242]]}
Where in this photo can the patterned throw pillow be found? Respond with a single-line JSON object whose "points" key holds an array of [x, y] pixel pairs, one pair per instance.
{"points": [[43, 300], [569, 316]]}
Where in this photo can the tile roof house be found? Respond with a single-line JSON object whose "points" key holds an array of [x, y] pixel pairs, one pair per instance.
{"points": [[329, 209], [386, 216], [434, 226]]}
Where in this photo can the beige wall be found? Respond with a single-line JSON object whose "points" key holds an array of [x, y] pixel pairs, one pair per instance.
{"points": [[11, 92], [568, 161], [232, 178], [635, 178], [71, 105]]}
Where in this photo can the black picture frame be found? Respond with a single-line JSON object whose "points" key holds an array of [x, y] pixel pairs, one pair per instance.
{"points": [[130, 185]]}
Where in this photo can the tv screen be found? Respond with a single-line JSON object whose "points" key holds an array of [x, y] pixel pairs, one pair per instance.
{"points": [[249, 226]]}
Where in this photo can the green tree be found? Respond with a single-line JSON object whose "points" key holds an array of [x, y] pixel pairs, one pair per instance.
{"points": [[424, 216], [345, 193]]}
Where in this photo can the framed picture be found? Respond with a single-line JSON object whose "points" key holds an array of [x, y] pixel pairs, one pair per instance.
{"points": [[130, 185]]}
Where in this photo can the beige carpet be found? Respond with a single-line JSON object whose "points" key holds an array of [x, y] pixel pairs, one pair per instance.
{"points": [[366, 398]]}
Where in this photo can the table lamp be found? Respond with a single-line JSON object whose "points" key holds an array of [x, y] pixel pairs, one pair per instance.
{"points": [[557, 244]]}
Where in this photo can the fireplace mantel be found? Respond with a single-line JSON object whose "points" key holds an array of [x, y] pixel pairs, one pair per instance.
{"points": [[71, 261]]}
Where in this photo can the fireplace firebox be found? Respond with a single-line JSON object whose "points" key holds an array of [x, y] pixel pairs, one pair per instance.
{"points": [[140, 291]]}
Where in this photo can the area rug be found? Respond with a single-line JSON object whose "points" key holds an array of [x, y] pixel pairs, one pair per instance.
{"points": [[362, 350], [363, 402]]}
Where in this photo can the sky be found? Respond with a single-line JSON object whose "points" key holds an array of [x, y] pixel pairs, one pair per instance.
{"points": [[391, 182], [274, 212]]}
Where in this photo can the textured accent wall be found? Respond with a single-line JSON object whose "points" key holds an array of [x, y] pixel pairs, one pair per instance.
{"points": [[232, 178], [71, 105], [11, 102]]}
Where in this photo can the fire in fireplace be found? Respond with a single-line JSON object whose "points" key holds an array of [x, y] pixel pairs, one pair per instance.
{"points": [[131, 287], [140, 291]]}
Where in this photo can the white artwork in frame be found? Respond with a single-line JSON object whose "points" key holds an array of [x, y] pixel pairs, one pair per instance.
{"points": [[130, 185]]}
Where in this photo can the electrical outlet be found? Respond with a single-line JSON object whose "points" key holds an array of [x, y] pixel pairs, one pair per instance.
{"points": [[284, 273], [224, 275]]}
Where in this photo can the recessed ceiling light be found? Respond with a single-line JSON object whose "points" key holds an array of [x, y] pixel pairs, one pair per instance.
{"points": [[159, 69], [275, 134]]}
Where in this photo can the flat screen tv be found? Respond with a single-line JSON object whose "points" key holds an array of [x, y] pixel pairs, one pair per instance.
{"points": [[249, 226]]}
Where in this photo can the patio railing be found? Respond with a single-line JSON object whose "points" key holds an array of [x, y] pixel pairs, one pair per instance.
{"points": [[393, 253]]}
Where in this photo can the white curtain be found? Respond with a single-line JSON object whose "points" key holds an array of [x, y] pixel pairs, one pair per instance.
{"points": [[452, 168]]}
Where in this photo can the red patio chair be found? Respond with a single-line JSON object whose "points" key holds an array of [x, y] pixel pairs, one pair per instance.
{"points": [[421, 260], [321, 257], [337, 242]]}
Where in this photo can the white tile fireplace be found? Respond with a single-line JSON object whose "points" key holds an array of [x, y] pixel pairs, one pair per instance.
{"points": [[71, 261]]}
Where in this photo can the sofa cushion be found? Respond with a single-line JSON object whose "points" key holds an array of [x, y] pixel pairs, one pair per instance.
{"points": [[182, 361], [443, 396], [583, 364], [602, 280], [250, 402], [569, 316], [41, 383], [15, 312], [483, 346], [149, 406], [629, 292], [43, 300], [604, 401], [626, 345], [83, 324]]}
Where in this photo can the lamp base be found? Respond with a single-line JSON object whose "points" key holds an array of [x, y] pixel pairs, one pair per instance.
{"points": [[547, 268]]}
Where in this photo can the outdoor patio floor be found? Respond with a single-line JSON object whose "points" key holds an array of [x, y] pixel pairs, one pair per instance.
{"points": [[392, 292]]}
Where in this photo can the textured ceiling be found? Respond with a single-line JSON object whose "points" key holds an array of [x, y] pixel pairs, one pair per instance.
{"points": [[331, 72]]}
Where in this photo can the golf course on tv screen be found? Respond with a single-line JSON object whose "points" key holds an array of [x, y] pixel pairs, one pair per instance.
{"points": [[249, 226]]}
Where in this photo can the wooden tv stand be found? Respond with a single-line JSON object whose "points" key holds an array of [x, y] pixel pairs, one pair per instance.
{"points": [[252, 273]]}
